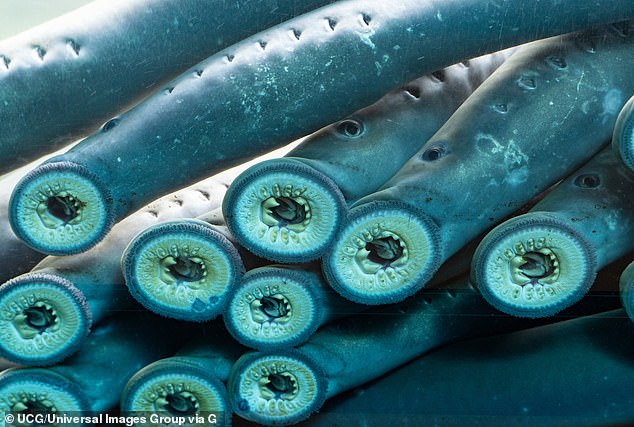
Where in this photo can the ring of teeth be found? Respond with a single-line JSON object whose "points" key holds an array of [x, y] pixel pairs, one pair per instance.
{"points": [[279, 386], [166, 401], [274, 308], [26, 323], [536, 266], [72, 207], [29, 402]]}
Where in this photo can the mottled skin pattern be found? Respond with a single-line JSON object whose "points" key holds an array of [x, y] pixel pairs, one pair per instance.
{"points": [[297, 77], [63, 79], [570, 374], [511, 140]]}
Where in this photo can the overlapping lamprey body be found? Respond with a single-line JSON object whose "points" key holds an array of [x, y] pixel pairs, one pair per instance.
{"points": [[289, 209], [61, 80], [538, 263], [286, 386], [90, 382], [47, 313], [263, 92], [510, 140]]}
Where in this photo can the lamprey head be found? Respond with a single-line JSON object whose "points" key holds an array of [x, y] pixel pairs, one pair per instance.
{"points": [[44, 319], [274, 307], [182, 269], [61, 209], [533, 265], [623, 135], [275, 388], [385, 252], [176, 387], [284, 210]]}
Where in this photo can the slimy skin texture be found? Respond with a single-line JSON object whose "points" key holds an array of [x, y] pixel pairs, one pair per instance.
{"points": [[93, 378], [188, 383], [277, 86], [91, 56], [539, 263], [507, 143], [92, 280], [623, 136], [276, 307], [354, 350], [573, 373], [345, 160]]}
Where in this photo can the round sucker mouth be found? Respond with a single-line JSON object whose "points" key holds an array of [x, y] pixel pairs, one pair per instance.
{"points": [[533, 265], [61, 209], [276, 388], [274, 307], [44, 319], [182, 269], [385, 252], [284, 210], [176, 386]]}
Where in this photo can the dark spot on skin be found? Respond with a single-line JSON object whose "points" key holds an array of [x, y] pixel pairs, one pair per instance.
{"points": [[6, 61], [297, 33], [243, 405], [205, 194], [439, 75], [169, 90], [331, 23], [178, 202], [428, 199], [556, 62], [366, 18], [262, 44], [588, 180], [73, 45], [414, 91], [466, 63], [40, 51], [109, 125], [230, 58], [433, 153], [350, 128], [153, 213], [527, 82], [199, 73], [501, 108]]}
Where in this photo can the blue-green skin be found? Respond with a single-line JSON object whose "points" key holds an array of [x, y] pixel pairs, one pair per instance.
{"points": [[357, 349], [91, 58], [572, 373], [510, 139], [623, 136], [296, 78], [595, 204], [209, 355], [393, 129], [111, 354], [350, 166], [96, 274]]}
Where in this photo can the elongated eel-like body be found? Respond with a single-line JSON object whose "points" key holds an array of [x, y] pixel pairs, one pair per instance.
{"points": [[91, 381], [538, 263], [623, 136], [567, 374], [67, 292], [544, 112], [190, 383], [284, 387], [282, 209], [264, 92], [63, 79]]}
